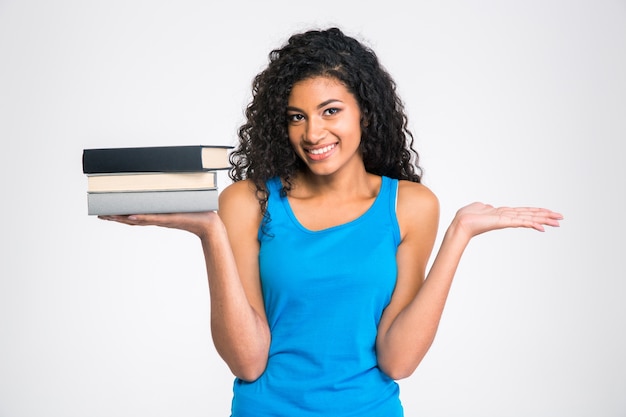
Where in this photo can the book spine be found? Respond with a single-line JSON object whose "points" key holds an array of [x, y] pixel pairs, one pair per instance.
{"points": [[123, 203], [154, 159], [151, 181]]}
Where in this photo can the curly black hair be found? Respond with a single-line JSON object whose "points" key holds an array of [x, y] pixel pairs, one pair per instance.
{"points": [[264, 150]]}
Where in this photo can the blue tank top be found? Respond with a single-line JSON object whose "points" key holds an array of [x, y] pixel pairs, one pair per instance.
{"points": [[324, 293]]}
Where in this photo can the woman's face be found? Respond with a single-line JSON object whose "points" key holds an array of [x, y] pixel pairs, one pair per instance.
{"points": [[324, 125]]}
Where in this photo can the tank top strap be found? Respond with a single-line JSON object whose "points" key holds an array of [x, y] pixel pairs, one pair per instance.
{"points": [[388, 199], [274, 185]]}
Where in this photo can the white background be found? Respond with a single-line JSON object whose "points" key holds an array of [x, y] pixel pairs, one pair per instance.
{"points": [[511, 102]]}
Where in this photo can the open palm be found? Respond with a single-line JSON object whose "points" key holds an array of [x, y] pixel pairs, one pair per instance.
{"points": [[477, 218]]}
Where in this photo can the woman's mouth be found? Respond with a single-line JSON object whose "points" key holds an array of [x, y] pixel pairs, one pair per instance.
{"points": [[321, 153]]}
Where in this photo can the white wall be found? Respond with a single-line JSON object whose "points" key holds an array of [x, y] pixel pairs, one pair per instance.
{"points": [[512, 103]]}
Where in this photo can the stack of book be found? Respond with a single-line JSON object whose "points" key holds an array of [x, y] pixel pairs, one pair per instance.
{"points": [[160, 179]]}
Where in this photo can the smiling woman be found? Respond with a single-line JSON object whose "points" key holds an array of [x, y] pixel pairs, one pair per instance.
{"points": [[324, 121], [316, 261]]}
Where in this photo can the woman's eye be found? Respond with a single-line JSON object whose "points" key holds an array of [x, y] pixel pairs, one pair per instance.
{"points": [[331, 111], [294, 117]]}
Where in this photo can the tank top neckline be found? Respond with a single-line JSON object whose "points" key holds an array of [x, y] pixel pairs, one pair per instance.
{"points": [[384, 185]]}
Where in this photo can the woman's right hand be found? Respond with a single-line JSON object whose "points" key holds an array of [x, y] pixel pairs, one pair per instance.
{"points": [[197, 223]]}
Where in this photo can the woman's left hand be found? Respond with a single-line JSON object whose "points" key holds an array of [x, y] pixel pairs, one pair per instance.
{"points": [[477, 218]]}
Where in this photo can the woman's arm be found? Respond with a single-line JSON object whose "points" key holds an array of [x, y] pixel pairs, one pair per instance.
{"points": [[239, 325], [409, 324], [229, 241]]}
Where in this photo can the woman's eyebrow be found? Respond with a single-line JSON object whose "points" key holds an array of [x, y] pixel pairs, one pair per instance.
{"points": [[319, 106]]}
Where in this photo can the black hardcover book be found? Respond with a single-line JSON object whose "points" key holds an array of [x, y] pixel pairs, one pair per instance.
{"points": [[183, 158]]}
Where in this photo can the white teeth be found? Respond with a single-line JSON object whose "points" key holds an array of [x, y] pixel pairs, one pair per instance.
{"points": [[321, 150]]}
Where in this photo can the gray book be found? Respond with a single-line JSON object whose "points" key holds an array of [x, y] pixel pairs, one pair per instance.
{"points": [[145, 202]]}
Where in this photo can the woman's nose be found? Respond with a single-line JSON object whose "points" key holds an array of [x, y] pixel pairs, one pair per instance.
{"points": [[315, 130]]}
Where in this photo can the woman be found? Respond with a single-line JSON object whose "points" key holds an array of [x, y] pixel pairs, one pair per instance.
{"points": [[317, 258]]}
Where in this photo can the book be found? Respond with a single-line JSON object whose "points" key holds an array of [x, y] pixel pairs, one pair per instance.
{"points": [[151, 202], [151, 181], [156, 159]]}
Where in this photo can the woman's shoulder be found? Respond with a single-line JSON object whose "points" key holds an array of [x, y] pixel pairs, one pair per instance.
{"points": [[417, 205], [239, 197], [239, 189], [413, 193]]}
